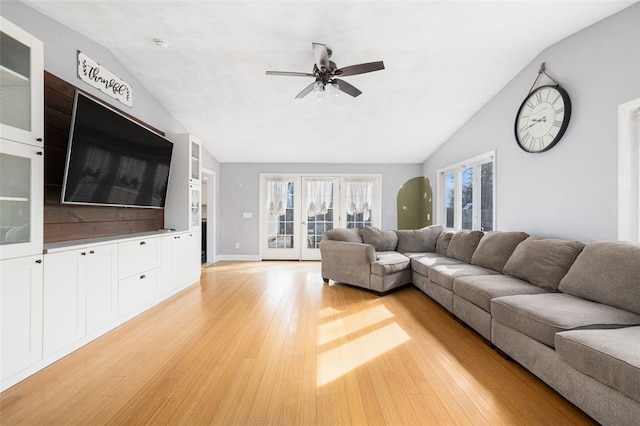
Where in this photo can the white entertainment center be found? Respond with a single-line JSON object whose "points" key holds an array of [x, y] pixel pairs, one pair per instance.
{"points": [[57, 297]]}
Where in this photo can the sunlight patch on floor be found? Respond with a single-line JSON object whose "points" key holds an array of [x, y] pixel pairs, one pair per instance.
{"points": [[338, 361], [342, 327]]}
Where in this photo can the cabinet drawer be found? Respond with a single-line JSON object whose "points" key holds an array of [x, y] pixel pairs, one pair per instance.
{"points": [[137, 290], [137, 256]]}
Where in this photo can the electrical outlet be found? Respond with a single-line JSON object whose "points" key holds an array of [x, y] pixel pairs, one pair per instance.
{"points": [[237, 245]]}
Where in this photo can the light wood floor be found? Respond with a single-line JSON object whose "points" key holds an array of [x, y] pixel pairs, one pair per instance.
{"points": [[270, 343]]}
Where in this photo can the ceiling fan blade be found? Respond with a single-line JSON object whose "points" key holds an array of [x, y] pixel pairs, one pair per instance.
{"points": [[360, 68], [305, 91], [290, 73], [321, 56], [347, 88]]}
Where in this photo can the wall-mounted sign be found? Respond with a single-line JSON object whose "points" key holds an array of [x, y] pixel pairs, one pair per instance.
{"points": [[102, 79]]}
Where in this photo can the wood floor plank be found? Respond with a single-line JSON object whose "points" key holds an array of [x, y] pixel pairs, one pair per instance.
{"points": [[268, 343]]}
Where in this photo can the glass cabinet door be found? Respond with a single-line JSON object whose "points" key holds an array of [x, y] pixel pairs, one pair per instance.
{"points": [[21, 202], [21, 85], [195, 162], [194, 214]]}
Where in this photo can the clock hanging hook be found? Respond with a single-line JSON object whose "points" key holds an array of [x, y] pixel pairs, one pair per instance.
{"points": [[540, 72]]}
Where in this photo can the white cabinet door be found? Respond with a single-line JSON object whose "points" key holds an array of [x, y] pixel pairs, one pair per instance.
{"points": [[21, 85], [166, 279], [102, 286], [21, 195], [180, 260], [194, 256], [64, 299], [20, 313]]}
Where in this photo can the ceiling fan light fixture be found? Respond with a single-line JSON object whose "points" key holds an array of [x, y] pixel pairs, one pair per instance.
{"points": [[334, 89], [319, 90]]}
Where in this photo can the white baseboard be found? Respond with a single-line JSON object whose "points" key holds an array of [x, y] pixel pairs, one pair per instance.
{"points": [[238, 258]]}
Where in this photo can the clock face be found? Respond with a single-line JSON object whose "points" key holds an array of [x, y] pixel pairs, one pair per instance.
{"points": [[542, 118]]}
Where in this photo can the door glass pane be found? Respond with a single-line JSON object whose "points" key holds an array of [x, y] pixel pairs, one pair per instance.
{"points": [[486, 197], [467, 198], [15, 92], [15, 199], [319, 210], [449, 196], [280, 226], [359, 203]]}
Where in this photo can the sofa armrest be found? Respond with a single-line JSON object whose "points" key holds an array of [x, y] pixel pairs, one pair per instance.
{"points": [[347, 262], [357, 252]]}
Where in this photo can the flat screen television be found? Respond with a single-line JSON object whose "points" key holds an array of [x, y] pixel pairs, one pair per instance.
{"points": [[112, 160]]}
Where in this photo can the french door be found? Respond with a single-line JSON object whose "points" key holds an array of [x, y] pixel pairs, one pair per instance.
{"points": [[296, 211]]}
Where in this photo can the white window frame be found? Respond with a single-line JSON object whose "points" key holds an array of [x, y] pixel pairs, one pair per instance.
{"points": [[629, 171], [476, 162]]}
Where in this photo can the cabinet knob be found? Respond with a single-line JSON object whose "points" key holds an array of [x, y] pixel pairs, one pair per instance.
{"points": [[91, 252], [84, 253], [39, 139], [39, 261], [142, 243], [39, 152], [142, 277]]}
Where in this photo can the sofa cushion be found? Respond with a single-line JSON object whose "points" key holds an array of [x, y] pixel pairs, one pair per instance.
{"points": [[389, 262], [418, 240], [480, 289], [351, 235], [443, 242], [379, 239], [609, 356], [541, 316], [421, 264], [542, 262], [495, 248], [463, 244], [606, 272], [444, 275]]}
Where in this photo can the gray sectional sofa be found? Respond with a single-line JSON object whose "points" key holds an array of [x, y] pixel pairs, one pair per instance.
{"points": [[566, 311]]}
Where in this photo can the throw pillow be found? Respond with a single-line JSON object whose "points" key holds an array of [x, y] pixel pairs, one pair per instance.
{"points": [[463, 244], [379, 239], [443, 242], [418, 240], [606, 272], [495, 248], [543, 262]]}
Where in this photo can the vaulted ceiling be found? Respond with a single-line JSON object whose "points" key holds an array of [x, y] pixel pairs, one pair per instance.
{"points": [[444, 60]]}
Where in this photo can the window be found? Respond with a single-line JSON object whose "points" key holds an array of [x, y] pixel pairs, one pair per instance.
{"points": [[629, 171], [466, 194]]}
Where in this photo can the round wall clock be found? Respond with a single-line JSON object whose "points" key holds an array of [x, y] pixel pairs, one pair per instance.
{"points": [[543, 118]]}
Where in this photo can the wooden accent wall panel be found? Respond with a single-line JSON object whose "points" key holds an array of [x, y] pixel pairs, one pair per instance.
{"points": [[63, 222]]}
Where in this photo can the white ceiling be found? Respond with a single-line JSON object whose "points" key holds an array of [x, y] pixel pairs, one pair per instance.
{"points": [[444, 61]]}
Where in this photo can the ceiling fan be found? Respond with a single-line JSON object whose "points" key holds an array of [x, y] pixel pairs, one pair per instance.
{"points": [[326, 72]]}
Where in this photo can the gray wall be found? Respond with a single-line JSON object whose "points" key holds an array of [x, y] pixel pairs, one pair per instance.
{"points": [[240, 192], [60, 58], [570, 191]]}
